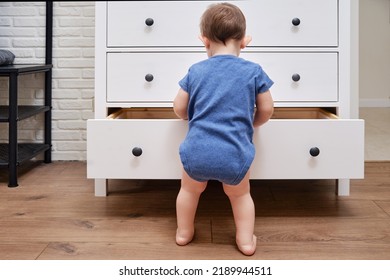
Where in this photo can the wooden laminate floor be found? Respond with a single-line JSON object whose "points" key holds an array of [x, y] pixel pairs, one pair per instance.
{"points": [[54, 214]]}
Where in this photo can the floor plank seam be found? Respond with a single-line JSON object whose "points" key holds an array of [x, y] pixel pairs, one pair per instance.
{"points": [[43, 250], [380, 207]]}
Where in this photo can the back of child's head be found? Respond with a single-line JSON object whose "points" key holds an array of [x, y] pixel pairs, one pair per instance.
{"points": [[221, 22]]}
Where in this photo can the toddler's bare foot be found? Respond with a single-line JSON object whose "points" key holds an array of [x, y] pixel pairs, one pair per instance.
{"points": [[184, 237], [248, 249]]}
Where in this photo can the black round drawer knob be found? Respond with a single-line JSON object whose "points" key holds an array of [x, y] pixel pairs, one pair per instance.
{"points": [[314, 151], [296, 77], [149, 21], [149, 77], [296, 21], [137, 151]]}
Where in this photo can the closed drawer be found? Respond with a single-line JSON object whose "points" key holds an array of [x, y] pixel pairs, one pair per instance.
{"points": [[295, 23], [270, 22], [147, 77], [143, 144], [154, 23], [153, 77], [300, 77]]}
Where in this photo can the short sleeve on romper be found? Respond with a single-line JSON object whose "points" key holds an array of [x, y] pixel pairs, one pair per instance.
{"points": [[263, 82], [184, 83]]}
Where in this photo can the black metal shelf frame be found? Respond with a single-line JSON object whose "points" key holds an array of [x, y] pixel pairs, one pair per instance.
{"points": [[24, 112], [13, 154], [26, 151]]}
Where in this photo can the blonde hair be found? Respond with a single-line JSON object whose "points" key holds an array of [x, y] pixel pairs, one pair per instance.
{"points": [[221, 22]]}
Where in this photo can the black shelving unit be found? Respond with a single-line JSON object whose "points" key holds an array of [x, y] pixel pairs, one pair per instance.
{"points": [[12, 154]]}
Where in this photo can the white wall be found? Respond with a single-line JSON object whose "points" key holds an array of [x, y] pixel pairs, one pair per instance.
{"points": [[374, 53]]}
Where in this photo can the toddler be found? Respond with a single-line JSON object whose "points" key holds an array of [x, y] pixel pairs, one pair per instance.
{"points": [[218, 97]]}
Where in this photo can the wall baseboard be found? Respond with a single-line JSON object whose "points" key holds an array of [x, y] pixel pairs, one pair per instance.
{"points": [[366, 102]]}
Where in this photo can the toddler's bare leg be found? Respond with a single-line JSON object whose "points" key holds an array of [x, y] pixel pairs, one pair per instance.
{"points": [[186, 205], [244, 215]]}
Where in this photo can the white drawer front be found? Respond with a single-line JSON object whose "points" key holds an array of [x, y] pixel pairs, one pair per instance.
{"points": [[282, 149], [127, 75], [301, 77], [270, 22], [171, 23], [109, 154]]}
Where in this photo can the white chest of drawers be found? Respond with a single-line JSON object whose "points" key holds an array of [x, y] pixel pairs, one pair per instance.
{"points": [[143, 48]]}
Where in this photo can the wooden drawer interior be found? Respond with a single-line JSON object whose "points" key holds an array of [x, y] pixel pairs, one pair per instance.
{"points": [[302, 113], [143, 113], [167, 113]]}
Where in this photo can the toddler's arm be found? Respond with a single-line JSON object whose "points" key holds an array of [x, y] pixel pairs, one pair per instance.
{"points": [[265, 108], [180, 104]]}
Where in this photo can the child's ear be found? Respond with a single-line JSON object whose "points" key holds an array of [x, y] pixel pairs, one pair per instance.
{"points": [[205, 41], [245, 41]]}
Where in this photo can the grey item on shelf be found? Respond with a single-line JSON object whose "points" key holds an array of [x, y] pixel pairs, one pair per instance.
{"points": [[6, 57]]}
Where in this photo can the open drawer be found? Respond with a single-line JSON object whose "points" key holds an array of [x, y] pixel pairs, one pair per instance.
{"points": [[309, 144], [297, 143]]}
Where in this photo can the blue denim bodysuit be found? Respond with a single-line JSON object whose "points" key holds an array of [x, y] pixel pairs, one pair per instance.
{"points": [[222, 93]]}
